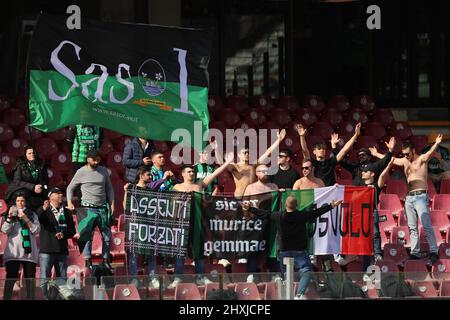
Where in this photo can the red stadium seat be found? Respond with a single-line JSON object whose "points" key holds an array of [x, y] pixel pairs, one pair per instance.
{"points": [[374, 129], [402, 130], [187, 291], [219, 125], [424, 289], [423, 238], [117, 248], [290, 142], [111, 135], [58, 135], [14, 117], [346, 129], [400, 235], [4, 104], [311, 140], [441, 269], [366, 142], [61, 161], [96, 243], [395, 252], [403, 221], [6, 133], [126, 292], [123, 140], [386, 221], [3, 205], [55, 179], [417, 270], [16, 147], [263, 102], [114, 161], [237, 103], [332, 116], [254, 117], [397, 187], [247, 291], [289, 103], [75, 258], [106, 147], [24, 133], [445, 186], [121, 223], [3, 242], [444, 249], [431, 189], [8, 160], [383, 116], [444, 289], [271, 291], [340, 103], [280, 116], [357, 115], [314, 102], [238, 267], [364, 102], [46, 148], [161, 146], [215, 104], [387, 266], [419, 142], [440, 220], [344, 182], [229, 116], [322, 129], [306, 116], [441, 201]]}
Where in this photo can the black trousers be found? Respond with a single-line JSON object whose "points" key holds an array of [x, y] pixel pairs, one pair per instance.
{"points": [[12, 275]]}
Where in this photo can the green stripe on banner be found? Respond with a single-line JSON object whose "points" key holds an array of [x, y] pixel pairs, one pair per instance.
{"points": [[272, 253], [305, 199], [197, 228]]}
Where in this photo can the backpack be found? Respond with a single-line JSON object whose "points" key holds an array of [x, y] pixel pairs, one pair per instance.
{"points": [[395, 286], [63, 292], [338, 285], [221, 294]]}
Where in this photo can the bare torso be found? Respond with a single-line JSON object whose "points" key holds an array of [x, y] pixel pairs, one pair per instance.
{"points": [[259, 187], [243, 175], [187, 187], [416, 170], [307, 183]]}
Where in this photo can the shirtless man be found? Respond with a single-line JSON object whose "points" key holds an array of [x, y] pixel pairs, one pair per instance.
{"points": [[263, 184], [245, 173], [309, 181], [416, 203], [188, 185]]}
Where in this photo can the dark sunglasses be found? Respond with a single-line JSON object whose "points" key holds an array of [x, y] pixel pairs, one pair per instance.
{"points": [[282, 156], [306, 168], [405, 154]]}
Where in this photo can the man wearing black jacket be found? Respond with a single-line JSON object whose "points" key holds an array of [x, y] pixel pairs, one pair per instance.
{"points": [[293, 235], [57, 226]]}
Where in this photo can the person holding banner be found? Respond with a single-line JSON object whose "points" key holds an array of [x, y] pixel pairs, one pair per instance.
{"points": [[188, 185], [143, 176], [368, 176], [309, 181], [243, 172], [292, 231], [97, 200], [203, 169], [325, 167], [162, 180]]}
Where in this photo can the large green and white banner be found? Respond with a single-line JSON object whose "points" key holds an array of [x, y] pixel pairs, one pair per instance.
{"points": [[140, 80]]}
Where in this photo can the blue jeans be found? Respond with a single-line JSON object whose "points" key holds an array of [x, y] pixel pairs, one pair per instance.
{"points": [[417, 207], [376, 234], [179, 266], [301, 262], [106, 240], [47, 262], [132, 264]]}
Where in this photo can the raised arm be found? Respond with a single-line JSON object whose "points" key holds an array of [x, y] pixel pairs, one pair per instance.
{"points": [[426, 156], [302, 133], [210, 178], [374, 151], [349, 144], [384, 174], [281, 135]]}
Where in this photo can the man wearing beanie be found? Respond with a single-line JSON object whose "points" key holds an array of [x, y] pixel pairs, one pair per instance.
{"points": [[57, 226]]}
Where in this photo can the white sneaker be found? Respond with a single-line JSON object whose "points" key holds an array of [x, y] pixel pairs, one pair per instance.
{"points": [[250, 278], [224, 262], [155, 283], [174, 284], [299, 297]]}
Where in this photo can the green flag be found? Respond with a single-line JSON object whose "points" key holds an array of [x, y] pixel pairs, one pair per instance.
{"points": [[3, 178], [139, 80]]}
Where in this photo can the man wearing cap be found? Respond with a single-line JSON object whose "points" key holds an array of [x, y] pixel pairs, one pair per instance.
{"points": [[364, 164], [97, 197], [324, 168], [57, 226]]}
